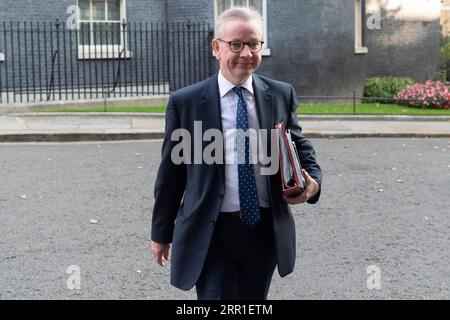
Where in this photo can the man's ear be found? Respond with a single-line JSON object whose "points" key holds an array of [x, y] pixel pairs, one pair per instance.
{"points": [[215, 47]]}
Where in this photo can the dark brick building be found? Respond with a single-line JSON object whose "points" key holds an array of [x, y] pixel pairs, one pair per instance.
{"points": [[322, 47]]}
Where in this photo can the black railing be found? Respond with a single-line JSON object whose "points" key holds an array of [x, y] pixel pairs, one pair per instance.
{"points": [[45, 61]]}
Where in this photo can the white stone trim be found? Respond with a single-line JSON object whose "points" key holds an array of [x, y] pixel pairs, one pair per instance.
{"points": [[359, 24], [361, 50], [102, 52]]}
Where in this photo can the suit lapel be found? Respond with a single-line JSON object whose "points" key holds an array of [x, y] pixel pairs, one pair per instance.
{"points": [[266, 116], [212, 116], [211, 113], [264, 104]]}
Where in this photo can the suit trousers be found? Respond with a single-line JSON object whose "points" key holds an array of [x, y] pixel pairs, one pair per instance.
{"points": [[241, 260]]}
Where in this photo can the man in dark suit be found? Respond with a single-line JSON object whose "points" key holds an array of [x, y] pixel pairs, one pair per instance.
{"points": [[229, 224]]}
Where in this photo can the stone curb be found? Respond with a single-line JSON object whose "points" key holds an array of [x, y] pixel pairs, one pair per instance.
{"points": [[76, 137], [101, 135], [302, 117], [98, 136]]}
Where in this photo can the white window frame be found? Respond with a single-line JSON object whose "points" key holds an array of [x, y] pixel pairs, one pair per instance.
{"points": [[359, 24], [265, 50], [111, 51]]}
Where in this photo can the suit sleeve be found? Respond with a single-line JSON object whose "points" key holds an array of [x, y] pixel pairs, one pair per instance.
{"points": [[305, 148], [170, 183]]}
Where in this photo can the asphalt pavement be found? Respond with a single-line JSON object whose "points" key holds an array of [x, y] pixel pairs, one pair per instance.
{"points": [[53, 197], [83, 210]]}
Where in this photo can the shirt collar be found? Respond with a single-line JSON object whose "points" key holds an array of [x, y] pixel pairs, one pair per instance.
{"points": [[226, 85]]}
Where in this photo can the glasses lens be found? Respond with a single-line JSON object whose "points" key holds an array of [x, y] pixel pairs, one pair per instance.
{"points": [[236, 46], [255, 46]]}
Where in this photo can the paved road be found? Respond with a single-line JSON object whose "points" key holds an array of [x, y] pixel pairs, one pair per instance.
{"points": [[385, 204]]}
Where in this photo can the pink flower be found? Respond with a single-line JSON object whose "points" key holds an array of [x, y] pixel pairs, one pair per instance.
{"points": [[431, 94]]}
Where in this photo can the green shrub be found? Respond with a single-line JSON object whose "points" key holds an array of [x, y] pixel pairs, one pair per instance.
{"points": [[384, 87], [445, 59], [445, 52]]}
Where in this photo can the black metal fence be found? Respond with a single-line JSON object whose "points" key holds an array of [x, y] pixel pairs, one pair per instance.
{"points": [[340, 103], [45, 61]]}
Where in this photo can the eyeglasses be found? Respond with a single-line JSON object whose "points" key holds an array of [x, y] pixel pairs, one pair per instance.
{"points": [[238, 46]]}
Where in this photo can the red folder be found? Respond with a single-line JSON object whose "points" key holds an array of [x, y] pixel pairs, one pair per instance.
{"points": [[292, 180]]}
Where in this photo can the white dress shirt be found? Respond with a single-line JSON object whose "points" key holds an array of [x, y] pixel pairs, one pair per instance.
{"points": [[228, 107]]}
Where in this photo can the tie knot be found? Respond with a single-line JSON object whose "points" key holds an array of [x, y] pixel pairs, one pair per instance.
{"points": [[239, 91]]}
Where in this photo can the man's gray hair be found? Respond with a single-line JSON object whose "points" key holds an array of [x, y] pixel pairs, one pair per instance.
{"points": [[237, 13]]}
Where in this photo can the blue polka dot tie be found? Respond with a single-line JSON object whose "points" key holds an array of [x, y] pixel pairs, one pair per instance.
{"points": [[248, 196]]}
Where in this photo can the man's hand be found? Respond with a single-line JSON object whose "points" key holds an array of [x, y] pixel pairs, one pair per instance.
{"points": [[160, 252], [312, 187]]}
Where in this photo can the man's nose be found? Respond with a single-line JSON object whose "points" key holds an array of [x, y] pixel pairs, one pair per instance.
{"points": [[246, 51]]}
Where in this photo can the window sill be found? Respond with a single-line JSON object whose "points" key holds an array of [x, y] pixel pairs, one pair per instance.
{"points": [[98, 54], [361, 50], [265, 52]]}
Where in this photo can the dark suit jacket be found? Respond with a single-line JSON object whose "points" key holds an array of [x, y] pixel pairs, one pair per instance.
{"points": [[188, 197]]}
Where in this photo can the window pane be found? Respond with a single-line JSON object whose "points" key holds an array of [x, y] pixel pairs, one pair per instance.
{"points": [[257, 5], [223, 5], [106, 33], [85, 34], [240, 3], [114, 10], [98, 10], [99, 36], [112, 31], [85, 13]]}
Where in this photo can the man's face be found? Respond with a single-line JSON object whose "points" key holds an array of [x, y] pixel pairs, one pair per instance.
{"points": [[237, 67]]}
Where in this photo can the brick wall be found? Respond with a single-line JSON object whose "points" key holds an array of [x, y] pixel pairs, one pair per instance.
{"points": [[198, 10], [311, 43]]}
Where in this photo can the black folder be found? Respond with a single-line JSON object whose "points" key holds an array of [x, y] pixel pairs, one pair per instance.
{"points": [[292, 180]]}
